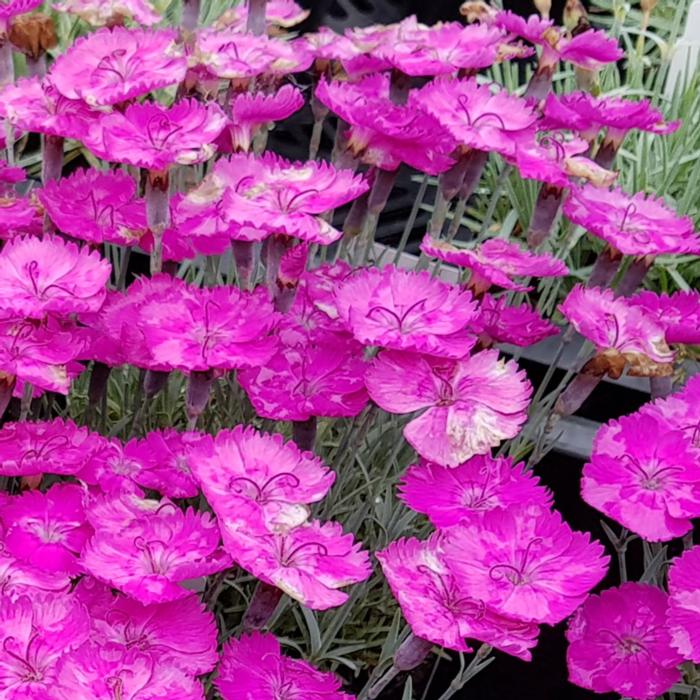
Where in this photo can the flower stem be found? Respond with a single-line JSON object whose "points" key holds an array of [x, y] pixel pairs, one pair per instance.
{"points": [[544, 214], [52, 158], [572, 398], [157, 213], [604, 268]]}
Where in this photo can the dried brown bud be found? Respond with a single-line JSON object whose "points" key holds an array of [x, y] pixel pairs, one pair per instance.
{"points": [[33, 34]]}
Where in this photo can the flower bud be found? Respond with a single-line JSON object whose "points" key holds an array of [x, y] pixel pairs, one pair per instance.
{"points": [[544, 7]]}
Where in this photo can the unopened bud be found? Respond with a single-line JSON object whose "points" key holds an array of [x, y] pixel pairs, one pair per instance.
{"points": [[544, 7]]}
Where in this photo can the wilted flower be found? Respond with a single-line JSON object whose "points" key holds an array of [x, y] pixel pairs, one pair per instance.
{"points": [[684, 606], [406, 310], [499, 322], [114, 65], [645, 475], [468, 405], [525, 562], [678, 313], [619, 643], [104, 12], [254, 667], [482, 483], [440, 609]]}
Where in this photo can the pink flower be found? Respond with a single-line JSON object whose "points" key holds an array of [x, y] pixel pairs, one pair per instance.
{"points": [[634, 224], [109, 466], [438, 608], [17, 578], [481, 484], [181, 633], [56, 447], [259, 479], [284, 197], [163, 459], [19, 216], [254, 667], [496, 261], [151, 136], [525, 562], [103, 12], [520, 325], [127, 674], [325, 45], [116, 511], [619, 643], [114, 65], [47, 530], [39, 276], [315, 378], [11, 8], [678, 313], [35, 635], [617, 328], [684, 604], [218, 327], [406, 310], [309, 563], [150, 559], [468, 405], [383, 133], [649, 481], [10, 175], [96, 207], [250, 111], [36, 106], [477, 116]]}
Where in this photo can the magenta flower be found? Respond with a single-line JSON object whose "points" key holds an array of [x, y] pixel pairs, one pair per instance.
{"points": [[406, 310], [11, 8], [99, 13], [19, 216], [250, 111], [47, 530], [9, 175], [17, 578], [482, 483], [318, 286], [163, 459], [525, 562], [315, 378], [96, 207], [684, 604], [636, 224], [619, 643], [39, 276], [151, 136], [35, 635], [678, 313], [259, 479], [619, 330], [150, 559], [254, 667], [477, 116], [310, 563], [114, 65], [438, 608], [498, 322], [496, 261], [110, 467], [383, 133], [648, 479], [468, 406], [181, 633]]}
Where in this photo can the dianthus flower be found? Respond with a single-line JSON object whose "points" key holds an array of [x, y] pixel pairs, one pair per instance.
{"points": [[325, 45], [678, 313], [181, 633], [310, 563], [496, 261], [278, 13], [122, 510], [525, 562], [151, 136], [684, 604], [43, 275], [681, 410], [406, 310], [636, 224], [99, 13], [383, 133], [482, 483], [19, 216], [619, 643], [97, 207], [622, 333], [499, 322], [254, 667], [468, 406], [114, 65], [47, 530], [648, 479], [110, 467], [18, 578], [258, 479], [35, 635], [477, 116], [440, 609], [150, 559]]}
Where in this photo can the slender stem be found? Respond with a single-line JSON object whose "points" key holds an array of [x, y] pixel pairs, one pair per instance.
{"points": [[7, 66], [493, 202], [411, 221], [157, 214], [457, 216]]}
